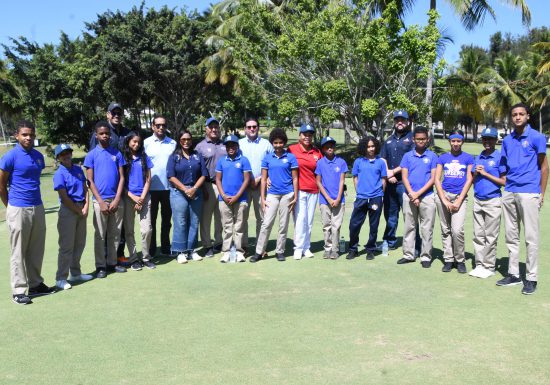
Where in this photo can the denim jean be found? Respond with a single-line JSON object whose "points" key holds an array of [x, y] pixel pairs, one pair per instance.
{"points": [[393, 203], [185, 215], [362, 207]]}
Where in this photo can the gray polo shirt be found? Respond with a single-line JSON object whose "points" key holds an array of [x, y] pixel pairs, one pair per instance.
{"points": [[211, 152]]}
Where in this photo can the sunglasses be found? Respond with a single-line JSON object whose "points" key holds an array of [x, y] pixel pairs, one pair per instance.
{"points": [[251, 126], [116, 113], [160, 125]]}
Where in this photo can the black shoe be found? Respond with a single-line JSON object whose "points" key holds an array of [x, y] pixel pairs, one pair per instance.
{"points": [[402, 261], [149, 265], [370, 255], [100, 273], [136, 266], [352, 254], [217, 249], [447, 267], [255, 258], [41, 288], [426, 264], [461, 267], [116, 269], [21, 299], [529, 287], [280, 257], [509, 280]]}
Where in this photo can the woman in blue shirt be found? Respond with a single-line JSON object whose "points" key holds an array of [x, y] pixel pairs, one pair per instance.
{"points": [[452, 200], [186, 172]]}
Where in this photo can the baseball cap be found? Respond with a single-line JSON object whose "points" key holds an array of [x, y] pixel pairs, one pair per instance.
{"points": [[211, 120], [306, 128], [60, 148], [231, 139], [489, 132], [114, 106], [401, 114], [326, 140]]}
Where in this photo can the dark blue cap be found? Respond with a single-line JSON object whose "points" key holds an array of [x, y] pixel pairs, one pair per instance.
{"points": [[326, 140], [114, 106], [489, 132], [231, 139], [401, 114], [306, 128], [60, 148], [211, 120]]}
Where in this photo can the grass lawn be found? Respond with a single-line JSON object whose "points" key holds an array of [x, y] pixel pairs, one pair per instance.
{"points": [[299, 322]]}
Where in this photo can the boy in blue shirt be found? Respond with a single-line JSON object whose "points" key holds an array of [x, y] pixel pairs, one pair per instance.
{"points": [[20, 169], [369, 178], [106, 177], [232, 177], [70, 184], [418, 175], [330, 175]]}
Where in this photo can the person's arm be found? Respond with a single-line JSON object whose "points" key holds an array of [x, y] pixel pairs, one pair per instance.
{"points": [[114, 203], [469, 179], [543, 165], [439, 187], [86, 206], [295, 174], [480, 170], [102, 205], [4, 177], [237, 196], [355, 182], [219, 175], [263, 189], [68, 202], [384, 182], [338, 199], [406, 183], [319, 181], [429, 184]]}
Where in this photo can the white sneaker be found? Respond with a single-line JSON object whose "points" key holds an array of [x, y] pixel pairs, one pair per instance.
{"points": [[297, 254], [81, 277], [63, 285], [476, 272], [240, 257], [225, 257], [485, 273], [195, 256], [308, 254], [182, 258]]}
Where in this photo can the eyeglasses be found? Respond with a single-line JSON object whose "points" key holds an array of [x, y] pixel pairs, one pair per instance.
{"points": [[185, 139], [116, 113], [251, 126], [160, 125]]}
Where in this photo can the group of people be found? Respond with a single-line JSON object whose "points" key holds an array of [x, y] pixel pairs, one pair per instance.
{"points": [[222, 178]]}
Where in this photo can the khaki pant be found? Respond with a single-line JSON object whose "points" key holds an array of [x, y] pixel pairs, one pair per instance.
{"points": [[255, 200], [332, 221], [72, 240], [452, 229], [424, 217], [517, 208], [107, 229], [145, 228], [210, 209], [486, 231], [27, 227], [275, 204], [233, 224]]}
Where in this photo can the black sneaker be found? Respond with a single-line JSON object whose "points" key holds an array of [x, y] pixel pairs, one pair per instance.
{"points": [[116, 269], [149, 264], [21, 299], [280, 257], [255, 258], [402, 261], [370, 256], [461, 267], [509, 280], [100, 273], [426, 264], [136, 266], [39, 289], [529, 287], [447, 267], [352, 254]]}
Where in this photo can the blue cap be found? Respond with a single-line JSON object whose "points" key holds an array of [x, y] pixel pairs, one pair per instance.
{"points": [[60, 148], [114, 106], [211, 120], [231, 139], [400, 114], [306, 128], [326, 140], [489, 132]]}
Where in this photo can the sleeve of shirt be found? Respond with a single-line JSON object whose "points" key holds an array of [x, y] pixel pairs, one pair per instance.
{"points": [[501, 167], [265, 162], [171, 166], [7, 162], [355, 169], [440, 160], [434, 161], [219, 167], [246, 165], [150, 164], [120, 159], [540, 144], [317, 169], [42, 158], [470, 160], [204, 171], [58, 181], [293, 162], [405, 161], [383, 168], [89, 160]]}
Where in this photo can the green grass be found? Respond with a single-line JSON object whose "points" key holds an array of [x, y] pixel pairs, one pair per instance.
{"points": [[299, 322]]}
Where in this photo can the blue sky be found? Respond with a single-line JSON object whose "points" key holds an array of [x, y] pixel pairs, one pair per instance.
{"points": [[42, 21]]}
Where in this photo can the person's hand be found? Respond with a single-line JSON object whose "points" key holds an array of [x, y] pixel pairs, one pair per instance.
{"points": [[541, 201], [390, 174], [448, 205], [137, 207], [456, 205], [232, 200], [413, 196], [335, 202], [291, 204], [104, 208], [84, 212], [113, 206], [330, 202], [190, 192], [480, 169], [416, 202], [268, 183], [264, 206], [140, 201], [392, 180]]}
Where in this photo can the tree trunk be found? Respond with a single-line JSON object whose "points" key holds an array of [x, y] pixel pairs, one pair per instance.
{"points": [[428, 100]]}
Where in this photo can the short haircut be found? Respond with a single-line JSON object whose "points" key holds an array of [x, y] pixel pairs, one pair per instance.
{"points": [[421, 130], [278, 133], [24, 124], [457, 132], [251, 118], [158, 116], [101, 123], [522, 105], [363, 144]]}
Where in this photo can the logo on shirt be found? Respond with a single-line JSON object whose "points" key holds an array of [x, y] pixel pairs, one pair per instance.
{"points": [[113, 158], [455, 169], [284, 160], [208, 149], [195, 157], [238, 165], [315, 157], [525, 143], [406, 140], [388, 142], [336, 169], [426, 160], [177, 157], [39, 162], [492, 163]]}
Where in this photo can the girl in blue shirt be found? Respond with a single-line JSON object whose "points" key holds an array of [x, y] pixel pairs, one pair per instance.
{"points": [[369, 178], [453, 178], [137, 175], [187, 172]]}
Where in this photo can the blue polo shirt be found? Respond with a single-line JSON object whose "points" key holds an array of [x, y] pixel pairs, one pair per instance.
{"points": [[454, 170], [233, 175], [395, 148], [187, 171], [72, 180], [24, 180], [520, 157], [331, 171], [484, 188], [279, 170], [135, 177], [105, 163], [420, 169], [369, 175]]}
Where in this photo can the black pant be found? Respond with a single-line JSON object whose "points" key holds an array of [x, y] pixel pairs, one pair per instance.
{"points": [[162, 197], [362, 207]]}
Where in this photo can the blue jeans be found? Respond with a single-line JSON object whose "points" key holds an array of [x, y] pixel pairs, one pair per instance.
{"points": [[393, 203], [185, 215], [361, 207]]}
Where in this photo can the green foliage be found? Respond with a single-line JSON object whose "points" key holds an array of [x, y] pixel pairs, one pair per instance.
{"points": [[369, 108]]}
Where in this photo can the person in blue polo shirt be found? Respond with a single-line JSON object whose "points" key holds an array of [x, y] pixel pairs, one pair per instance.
{"points": [[369, 178], [232, 177], [524, 156], [418, 174], [281, 167], [20, 169], [106, 177], [455, 167], [330, 175], [70, 183], [488, 179]]}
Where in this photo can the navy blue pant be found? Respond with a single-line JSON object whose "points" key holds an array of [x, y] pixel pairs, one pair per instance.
{"points": [[393, 202], [362, 207]]}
